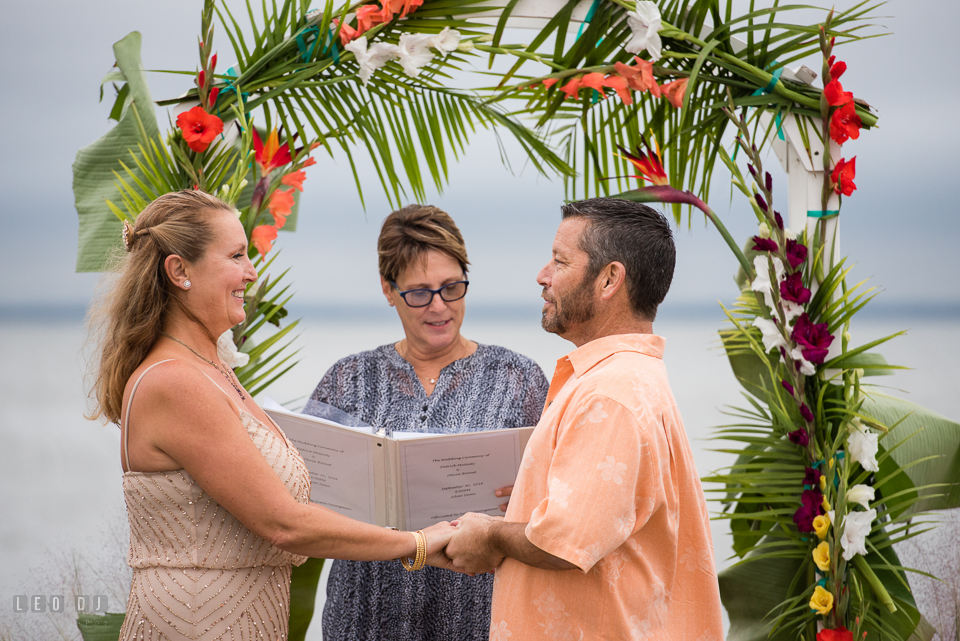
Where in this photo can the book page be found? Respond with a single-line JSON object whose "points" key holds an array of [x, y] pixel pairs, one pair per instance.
{"points": [[340, 460], [448, 475]]}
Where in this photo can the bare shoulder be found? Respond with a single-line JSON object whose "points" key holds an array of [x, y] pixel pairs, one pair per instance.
{"points": [[175, 389]]}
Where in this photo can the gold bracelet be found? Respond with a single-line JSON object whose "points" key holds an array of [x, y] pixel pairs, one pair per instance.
{"points": [[421, 556]]}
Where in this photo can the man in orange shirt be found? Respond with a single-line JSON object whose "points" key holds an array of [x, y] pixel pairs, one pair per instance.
{"points": [[607, 534]]}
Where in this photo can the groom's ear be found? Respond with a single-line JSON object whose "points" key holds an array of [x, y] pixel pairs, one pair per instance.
{"points": [[612, 279]]}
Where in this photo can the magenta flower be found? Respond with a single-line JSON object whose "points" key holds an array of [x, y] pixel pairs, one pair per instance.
{"points": [[811, 476], [787, 386], [761, 203], [778, 218], [799, 437], [810, 508], [792, 289], [796, 253], [813, 339], [765, 245], [806, 413]]}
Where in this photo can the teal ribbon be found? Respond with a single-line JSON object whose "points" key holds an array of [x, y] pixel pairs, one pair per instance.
{"points": [[306, 53], [820, 213], [243, 94], [590, 13], [769, 89]]}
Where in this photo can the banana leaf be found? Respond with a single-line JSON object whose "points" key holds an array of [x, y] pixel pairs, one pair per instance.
{"points": [[93, 177]]}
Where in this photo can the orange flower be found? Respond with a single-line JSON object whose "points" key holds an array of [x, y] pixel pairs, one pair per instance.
{"points": [[270, 154], [639, 77], [369, 15], [295, 179], [309, 162], [263, 237], [280, 205], [619, 84], [673, 91], [347, 33], [572, 88], [594, 81], [199, 128], [648, 164], [549, 82]]}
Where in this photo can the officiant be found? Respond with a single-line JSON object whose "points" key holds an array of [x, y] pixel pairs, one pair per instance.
{"points": [[432, 380]]}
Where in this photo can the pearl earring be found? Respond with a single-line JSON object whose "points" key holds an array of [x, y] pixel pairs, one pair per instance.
{"points": [[186, 284]]}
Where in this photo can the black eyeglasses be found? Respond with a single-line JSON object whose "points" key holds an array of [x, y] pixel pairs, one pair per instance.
{"points": [[423, 297]]}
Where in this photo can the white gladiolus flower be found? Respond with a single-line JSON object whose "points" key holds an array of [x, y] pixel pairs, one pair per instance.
{"points": [[228, 352], [415, 52], [806, 367], [373, 58], [764, 231], [856, 527], [762, 282], [861, 494], [771, 333], [862, 448], [789, 234], [446, 41], [466, 46], [791, 310], [645, 22]]}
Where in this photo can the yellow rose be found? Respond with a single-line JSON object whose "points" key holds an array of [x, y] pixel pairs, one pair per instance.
{"points": [[821, 525], [821, 555], [822, 600]]}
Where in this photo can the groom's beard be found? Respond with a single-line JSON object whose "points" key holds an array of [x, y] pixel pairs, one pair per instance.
{"points": [[571, 309]]}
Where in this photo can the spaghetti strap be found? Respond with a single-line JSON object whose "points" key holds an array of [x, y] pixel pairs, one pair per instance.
{"points": [[126, 428], [232, 400]]}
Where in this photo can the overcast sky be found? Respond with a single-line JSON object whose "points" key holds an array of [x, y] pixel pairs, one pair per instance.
{"points": [[901, 227]]}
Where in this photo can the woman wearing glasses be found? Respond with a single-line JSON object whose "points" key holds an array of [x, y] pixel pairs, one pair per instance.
{"points": [[432, 380]]}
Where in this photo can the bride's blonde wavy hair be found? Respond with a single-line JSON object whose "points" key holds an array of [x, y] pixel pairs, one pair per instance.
{"points": [[130, 314]]}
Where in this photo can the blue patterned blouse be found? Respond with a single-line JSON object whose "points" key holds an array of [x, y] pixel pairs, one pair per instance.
{"points": [[493, 388]]}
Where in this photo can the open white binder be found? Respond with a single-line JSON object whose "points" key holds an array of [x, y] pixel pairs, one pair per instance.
{"points": [[407, 481]]}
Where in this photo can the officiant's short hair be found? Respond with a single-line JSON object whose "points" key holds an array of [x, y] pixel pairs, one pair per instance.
{"points": [[409, 233], [635, 235]]}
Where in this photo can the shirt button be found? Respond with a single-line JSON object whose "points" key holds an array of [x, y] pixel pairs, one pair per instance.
{"points": [[423, 418], [424, 408]]}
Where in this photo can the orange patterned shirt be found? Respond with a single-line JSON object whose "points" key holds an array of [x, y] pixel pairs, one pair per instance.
{"points": [[608, 483]]}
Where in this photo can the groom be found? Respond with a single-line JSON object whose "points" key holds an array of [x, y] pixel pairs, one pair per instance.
{"points": [[607, 534]]}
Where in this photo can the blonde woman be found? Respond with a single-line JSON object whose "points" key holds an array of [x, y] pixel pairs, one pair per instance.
{"points": [[217, 497]]}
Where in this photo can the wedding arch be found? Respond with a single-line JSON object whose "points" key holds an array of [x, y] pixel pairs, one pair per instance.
{"points": [[829, 471]]}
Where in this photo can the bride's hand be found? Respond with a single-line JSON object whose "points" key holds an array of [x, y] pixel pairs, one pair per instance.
{"points": [[438, 536]]}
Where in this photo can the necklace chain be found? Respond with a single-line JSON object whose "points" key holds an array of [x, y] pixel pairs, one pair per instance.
{"points": [[229, 378], [433, 381]]}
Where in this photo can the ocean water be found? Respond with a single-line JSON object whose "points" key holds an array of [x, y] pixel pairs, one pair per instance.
{"points": [[62, 523]]}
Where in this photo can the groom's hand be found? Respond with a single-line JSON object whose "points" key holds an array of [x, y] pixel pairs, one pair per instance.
{"points": [[472, 549]]}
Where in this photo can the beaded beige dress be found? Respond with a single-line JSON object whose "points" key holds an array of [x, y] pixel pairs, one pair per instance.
{"points": [[198, 573]]}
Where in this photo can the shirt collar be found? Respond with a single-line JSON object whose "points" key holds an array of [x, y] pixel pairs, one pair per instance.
{"points": [[586, 356]]}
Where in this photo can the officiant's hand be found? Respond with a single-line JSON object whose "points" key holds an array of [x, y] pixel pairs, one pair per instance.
{"points": [[504, 491], [438, 537], [470, 548]]}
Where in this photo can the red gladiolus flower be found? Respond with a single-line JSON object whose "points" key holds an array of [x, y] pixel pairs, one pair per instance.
{"points": [[199, 128], [213, 63], [619, 84], [796, 253], [842, 177], [835, 94], [812, 338], [674, 91], [639, 77], [294, 179], [212, 98], [811, 505], [262, 238], [593, 81], [836, 634], [271, 154], [648, 164], [201, 78], [280, 206], [792, 289], [845, 124], [764, 244], [572, 88]]}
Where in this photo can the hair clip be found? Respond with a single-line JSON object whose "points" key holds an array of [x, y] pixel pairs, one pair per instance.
{"points": [[128, 235]]}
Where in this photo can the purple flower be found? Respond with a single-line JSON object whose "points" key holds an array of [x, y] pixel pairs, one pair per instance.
{"points": [[792, 289], [796, 253], [778, 218], [787, 386], [764, 244], [753, 170], [806, 413], [799, 437], [761, 203], [811, 476], [810, 508], [769, 182], [812, 338]]}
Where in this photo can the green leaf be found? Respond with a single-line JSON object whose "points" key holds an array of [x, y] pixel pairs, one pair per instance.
{"points": [[93, 169], [304, 580]]}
